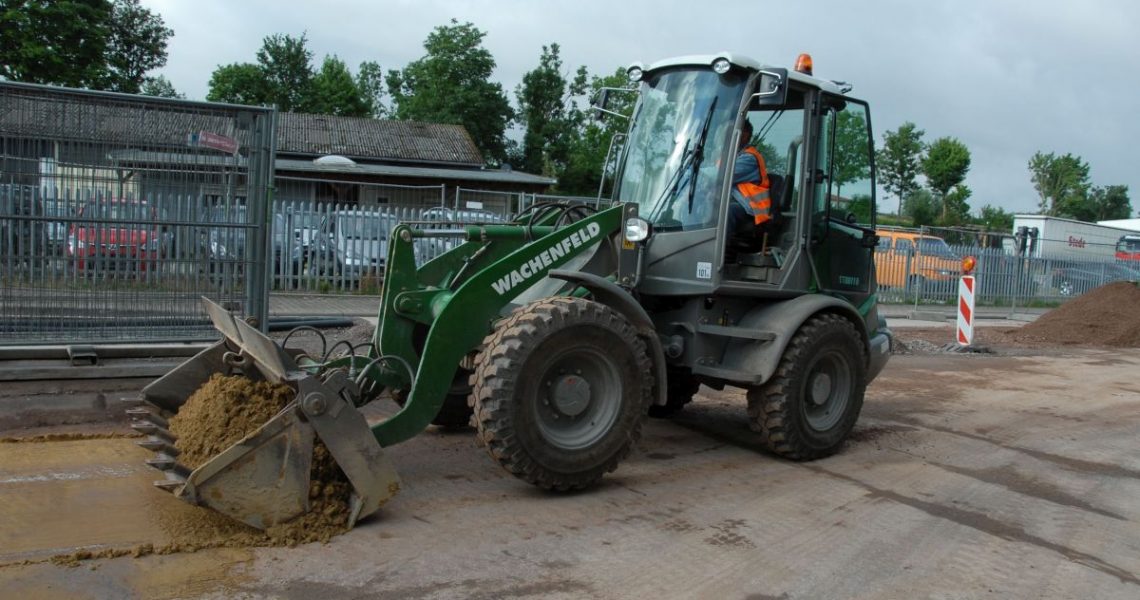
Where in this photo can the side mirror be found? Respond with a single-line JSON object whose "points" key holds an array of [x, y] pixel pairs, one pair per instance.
{"points": [[600, 104], [851, 218]]}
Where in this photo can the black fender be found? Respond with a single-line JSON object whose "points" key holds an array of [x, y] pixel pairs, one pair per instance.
{"points": [[615, 297], [783, 319]]}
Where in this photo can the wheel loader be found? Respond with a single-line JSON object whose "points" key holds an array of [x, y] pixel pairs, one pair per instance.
{"points": [[556, 333]]}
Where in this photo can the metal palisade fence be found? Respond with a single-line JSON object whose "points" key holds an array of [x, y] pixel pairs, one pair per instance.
{"points": [[923, 266], [112, 211]]}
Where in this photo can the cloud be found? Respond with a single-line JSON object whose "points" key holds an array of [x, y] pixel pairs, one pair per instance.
{"points": [[1005, 78]]}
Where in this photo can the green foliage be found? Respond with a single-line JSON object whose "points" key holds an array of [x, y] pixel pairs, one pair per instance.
{"points": [[921, 207], [898, 161], [335, 92], [945, 165], [1107, 203], [852, 151], [237, 83], [1062, 182], [370, 82], [860, 206], [994, 218], [136, 44], [955, 209], [285, 63], [451, 84], [92, 44], [283, 75], [546, 113], [160, 87], [587, 149]]}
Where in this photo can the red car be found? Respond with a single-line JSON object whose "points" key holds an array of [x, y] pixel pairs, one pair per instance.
{"points": [[114, 235]]}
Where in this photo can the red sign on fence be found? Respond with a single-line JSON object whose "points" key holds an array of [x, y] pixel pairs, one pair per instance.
{"points": [[205, 139]]}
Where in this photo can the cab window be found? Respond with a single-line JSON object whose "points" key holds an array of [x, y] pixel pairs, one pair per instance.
{"points": [[902, 245]]}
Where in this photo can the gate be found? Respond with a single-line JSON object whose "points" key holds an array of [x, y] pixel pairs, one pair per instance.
{"points": [[119, 212]]}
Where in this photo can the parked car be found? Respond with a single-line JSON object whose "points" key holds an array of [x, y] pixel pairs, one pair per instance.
{"points": [[907, 259], [352, 243], [114, 235], [1074, 279]]}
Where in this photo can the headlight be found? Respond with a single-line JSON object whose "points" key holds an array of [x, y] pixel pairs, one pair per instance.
{"points": [[635, 74], [152, 245], [217, 249], [721, 66], [636, 229]]}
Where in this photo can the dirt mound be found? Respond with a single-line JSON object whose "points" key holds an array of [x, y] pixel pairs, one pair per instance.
{"points": [[224, 410], [1106, 316]]}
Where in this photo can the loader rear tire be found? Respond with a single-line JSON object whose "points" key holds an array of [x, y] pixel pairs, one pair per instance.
{"points": [[808, 407], [561, 391]]}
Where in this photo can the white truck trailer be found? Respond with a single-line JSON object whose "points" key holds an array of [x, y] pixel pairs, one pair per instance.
{"points": [[1068, 239]]}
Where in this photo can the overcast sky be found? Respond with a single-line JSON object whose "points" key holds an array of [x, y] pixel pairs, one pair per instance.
{"points": [[1007, 78]]}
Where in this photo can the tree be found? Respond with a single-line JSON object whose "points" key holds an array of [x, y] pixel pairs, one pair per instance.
{"points": [[955, 209], [542, 98], [239, 83], [1062, 182], [1107, 203], [945, 165], [285, 63], [451, 84], [335, 92], [588, 149], [136, 44], [852, 158], [899, 159], [160, 87], [993, 218], [860, 206], [93, 44], [921, 206], [370, 82]]}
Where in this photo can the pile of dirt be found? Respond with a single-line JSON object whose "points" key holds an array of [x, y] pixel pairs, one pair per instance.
{"points": [[1106, 316], [224, 410]]}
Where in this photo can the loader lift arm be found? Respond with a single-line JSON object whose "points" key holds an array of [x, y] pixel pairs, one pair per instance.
{"points": [[505, 261]]}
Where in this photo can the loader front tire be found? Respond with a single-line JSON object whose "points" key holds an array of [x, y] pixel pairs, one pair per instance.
{"points": [[809, 406], [561, 390]]}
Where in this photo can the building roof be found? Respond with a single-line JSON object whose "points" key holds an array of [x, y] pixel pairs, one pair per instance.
{"points": [[143, 122], [376, 139], [434, 173]]}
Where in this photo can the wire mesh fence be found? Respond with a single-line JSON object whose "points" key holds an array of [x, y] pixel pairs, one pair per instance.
{"points": [[114, 211]]}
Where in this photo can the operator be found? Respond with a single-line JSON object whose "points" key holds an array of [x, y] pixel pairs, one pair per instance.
{"points": [[752, 206]]}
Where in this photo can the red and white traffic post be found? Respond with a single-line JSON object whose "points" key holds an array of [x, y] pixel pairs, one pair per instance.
{"points": [[966, 302]]}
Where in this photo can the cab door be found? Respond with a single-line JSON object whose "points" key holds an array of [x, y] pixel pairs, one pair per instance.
{"points": [[843, 217]]}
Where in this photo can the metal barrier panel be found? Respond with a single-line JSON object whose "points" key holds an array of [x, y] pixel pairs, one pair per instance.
{"points": [[118, 212], [927, 274]]}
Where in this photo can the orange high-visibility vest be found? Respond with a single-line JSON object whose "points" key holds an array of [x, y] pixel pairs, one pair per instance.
{"points": [[757, 193]]}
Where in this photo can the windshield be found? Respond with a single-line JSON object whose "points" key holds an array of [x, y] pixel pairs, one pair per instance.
{"points": [[676, 106], [1128, 244], [361, 227], [935, 247]]}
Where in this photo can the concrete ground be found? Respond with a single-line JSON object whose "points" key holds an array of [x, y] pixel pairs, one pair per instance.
{"points": [[967, 476]]}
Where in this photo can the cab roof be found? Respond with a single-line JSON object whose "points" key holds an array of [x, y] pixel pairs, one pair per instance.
{"points": [[739, 60]]}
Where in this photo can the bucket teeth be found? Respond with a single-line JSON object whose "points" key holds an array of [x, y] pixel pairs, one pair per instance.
{"points": [[145, 414], [169, 485], [160, 446], [169, 465]]}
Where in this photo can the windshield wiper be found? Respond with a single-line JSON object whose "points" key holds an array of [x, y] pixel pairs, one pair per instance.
{"points": [[699, 152]]}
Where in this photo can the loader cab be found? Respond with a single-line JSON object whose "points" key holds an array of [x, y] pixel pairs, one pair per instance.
{"points": [[678, 168]]}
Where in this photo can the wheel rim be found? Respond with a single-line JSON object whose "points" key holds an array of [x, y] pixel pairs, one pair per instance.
{"points": [[827, 391], [578, 399]]}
